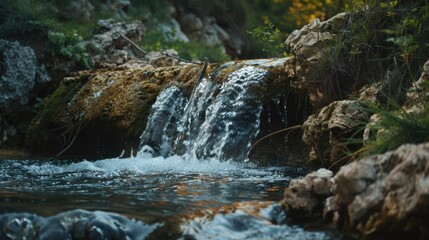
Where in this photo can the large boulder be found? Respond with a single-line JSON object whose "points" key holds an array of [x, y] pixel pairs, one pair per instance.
{"points": [[18, 74], [326, 131], [19, 77], [316, 68], [384, 194]]}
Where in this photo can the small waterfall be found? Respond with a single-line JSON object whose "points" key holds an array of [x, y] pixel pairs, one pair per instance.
{"points": [[161, 127], [218, 121]]}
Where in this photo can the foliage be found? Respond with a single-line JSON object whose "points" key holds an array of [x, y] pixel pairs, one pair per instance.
{"points": [[69, 46], [396, 128], [406, 37], [269, 38]]}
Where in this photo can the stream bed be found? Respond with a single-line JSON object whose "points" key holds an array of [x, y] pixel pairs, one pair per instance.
{"points": [[162, 194]]}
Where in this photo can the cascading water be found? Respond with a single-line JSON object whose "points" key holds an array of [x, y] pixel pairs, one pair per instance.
{"points": [[219, 121], [166, 192]]}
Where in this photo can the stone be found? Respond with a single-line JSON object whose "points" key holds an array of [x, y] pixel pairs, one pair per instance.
{"points": [[111, 45], [325, 131], [173, 31], [17, 75], [190, 23], [304, 198], [418, 94], [385, 194], [307, 45], [160, 59], [307, 42]]}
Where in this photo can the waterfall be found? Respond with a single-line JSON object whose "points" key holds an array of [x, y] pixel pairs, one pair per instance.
{"points": [[217, 121]]}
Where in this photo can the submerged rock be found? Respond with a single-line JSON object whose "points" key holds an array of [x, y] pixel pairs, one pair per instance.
{"points": [[76, 224], [247, 220]]}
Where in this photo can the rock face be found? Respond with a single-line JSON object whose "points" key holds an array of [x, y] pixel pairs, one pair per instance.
{"points": [[208, 30], [304, 198], [105, 108], [111, 44], [309, 44], [103, 112], [18, 74], [19, 77], [383, 195], [326, 131]]}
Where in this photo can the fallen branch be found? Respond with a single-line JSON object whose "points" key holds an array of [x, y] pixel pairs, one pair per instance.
{"points": [[132, 43], [271, 134]]}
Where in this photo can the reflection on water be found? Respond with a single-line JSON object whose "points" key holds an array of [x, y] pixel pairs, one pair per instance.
{"points": [[151, 190]]}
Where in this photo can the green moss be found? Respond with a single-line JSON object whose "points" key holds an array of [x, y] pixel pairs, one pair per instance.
{"points": [[52, 111]]}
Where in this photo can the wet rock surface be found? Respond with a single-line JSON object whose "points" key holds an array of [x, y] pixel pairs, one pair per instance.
{"points": [[247, 220], [110, 107], [76, 224]]}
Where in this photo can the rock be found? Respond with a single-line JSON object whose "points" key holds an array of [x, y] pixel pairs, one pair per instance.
{"points": [[324, 83], [190, 22], [326, 131], [173, 31], [304, 198], [308, 41], [160, 59], [18, 74], [42, 75], [418, 94], [384, 195], [111, 45], [75, 224]]}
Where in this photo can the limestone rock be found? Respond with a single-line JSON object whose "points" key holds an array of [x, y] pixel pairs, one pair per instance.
{"points": [[307, 42], [325, 131], [111, 45], [305, 197], [418, 93], [172, 31], [18, 74], [160, 59], [190, 22], [384, 194]]}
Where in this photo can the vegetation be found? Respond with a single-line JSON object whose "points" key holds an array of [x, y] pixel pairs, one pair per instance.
{"points": [[389, 44]]}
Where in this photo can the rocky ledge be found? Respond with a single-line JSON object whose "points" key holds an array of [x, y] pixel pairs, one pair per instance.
{"points": [[381, 195]]}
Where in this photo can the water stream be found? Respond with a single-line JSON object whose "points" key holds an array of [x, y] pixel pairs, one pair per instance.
{"points": [[184, 183]]}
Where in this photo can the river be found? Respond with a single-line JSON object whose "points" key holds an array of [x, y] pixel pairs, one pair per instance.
{"points": [[159, 192]]}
